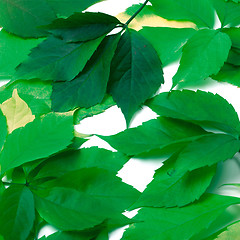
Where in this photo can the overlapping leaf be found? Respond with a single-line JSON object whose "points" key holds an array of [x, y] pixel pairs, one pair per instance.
{"points": [[89, 87], [136, 73], [4, 130], [203, 55], [232, 232], [170, 223]]}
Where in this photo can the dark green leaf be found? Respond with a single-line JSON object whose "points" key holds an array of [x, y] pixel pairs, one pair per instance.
{"points": [[82, 113], [228, 12], [136, 73], [168, 42], [84, 198], [206, 151], [3, 130], [13, 50], [38, 139], [234, 34], [205, 108], [154, 134], [17, 213], [172, 223], [22, 17], [82, 26], [56, 60], [84, 158], [171, 187], [234, 57], [230, 74], [203, 55], [68, 7], [197, 11], [89, 87]]}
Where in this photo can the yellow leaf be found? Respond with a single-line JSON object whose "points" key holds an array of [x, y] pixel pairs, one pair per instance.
{"points": [[17, 112]]}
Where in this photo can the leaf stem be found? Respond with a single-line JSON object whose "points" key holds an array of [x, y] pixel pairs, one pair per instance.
{"points": [[136, 13]]}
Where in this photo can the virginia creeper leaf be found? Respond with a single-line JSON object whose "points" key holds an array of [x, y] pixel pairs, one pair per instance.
{"points": [[203, 55], [22, 17], [13, 50], [38, 139], [229, 73], [83, 199], [82, 113], [171, 187], [17, 213], [154, 134], [3, 129], [170, 223], [204, 109], [136, 73], [207, 151], [17, 112], [89, 87], [56, 60], [81, 27], [198, 11], [168, 42], [228, 12]]}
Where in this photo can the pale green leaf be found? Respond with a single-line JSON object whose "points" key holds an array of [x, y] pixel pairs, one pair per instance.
{"points": [[203, 55], [232, 232]]}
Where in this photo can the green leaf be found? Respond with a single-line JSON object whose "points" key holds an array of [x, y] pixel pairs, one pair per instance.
{"points": [[197, 11], [82, 113], [62, 163], [22, 17], [203, 55], [38, 139], [209, 150], [3, 130], [230, 74], [205, 109], [228, 12], [89, 87], [17, 213], [170, 223], [232, 232], [13, 50], [68, 7], [136, 73], [234, 34], [82, 26], [56, 60], [168, 42], [154, 134], [172, 187], [69, 236], [234, 57], [83, 199]]}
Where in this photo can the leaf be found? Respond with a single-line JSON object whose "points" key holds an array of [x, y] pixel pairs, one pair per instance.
{"points": [[168, 42], [62, 163], [209, 150], [81, 27], [3, 130], [22, 17], [135, 58], [17, 112], [234, 57], [83, 199], [232, 232], [82, 113], [68, 7], [228, 12], [38, 139], [230, 74], [205, 109], [13, 50], [56, 60], [89, 87], [234, 34], [154, 134], [17, 213], [68, 236], [198, 11], [172, 187], [203, 55], [170, 223]]}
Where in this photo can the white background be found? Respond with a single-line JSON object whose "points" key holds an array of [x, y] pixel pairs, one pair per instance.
{"points": [[138, 172]]}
